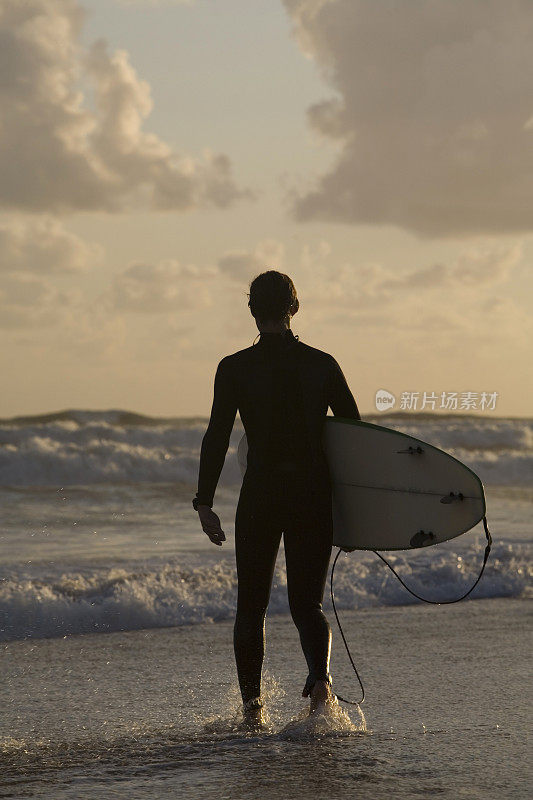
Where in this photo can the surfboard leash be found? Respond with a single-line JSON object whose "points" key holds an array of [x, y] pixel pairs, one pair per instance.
{"points": [[349, 702], [458, 599], [419, 597]]}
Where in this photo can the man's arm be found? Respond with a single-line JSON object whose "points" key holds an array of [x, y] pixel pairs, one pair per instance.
{"points": [[216, 438], [341, 400]]}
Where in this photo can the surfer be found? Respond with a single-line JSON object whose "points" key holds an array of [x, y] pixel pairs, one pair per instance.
{"points": [[282, 389]]}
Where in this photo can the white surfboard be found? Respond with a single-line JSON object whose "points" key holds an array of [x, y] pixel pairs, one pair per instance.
{"points": [[391, 491]]}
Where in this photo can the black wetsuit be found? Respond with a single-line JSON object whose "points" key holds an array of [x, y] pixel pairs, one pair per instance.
{"points": [[282, 389]]}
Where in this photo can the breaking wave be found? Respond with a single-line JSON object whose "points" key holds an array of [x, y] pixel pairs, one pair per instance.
{"points": [[87, 447], [154, 595]]}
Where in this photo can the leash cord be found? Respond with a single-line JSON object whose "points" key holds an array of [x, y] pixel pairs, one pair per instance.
{"points": [[425, 600], [350, 702]]}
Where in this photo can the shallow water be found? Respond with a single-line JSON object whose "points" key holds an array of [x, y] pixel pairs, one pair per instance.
{"points": [[155, 713], [118, 676]]}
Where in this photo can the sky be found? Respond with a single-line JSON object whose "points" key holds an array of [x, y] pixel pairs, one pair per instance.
{"points": [[156, 156]]}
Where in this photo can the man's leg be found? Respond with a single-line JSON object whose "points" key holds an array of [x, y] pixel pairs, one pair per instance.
{"points": [[308, 542], [257, 538]]}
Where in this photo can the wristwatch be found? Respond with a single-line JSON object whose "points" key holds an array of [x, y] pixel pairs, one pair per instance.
{"points": [[196, 503]]}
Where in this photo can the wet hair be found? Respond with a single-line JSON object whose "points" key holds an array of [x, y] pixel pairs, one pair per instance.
{"points": [[272, 294]]}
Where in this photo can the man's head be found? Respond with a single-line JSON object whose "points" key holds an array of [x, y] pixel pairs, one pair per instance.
{"points": [[272, 299]]}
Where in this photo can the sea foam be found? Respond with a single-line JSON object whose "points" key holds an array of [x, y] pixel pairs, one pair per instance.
{"points": [[82, 447], [151, 595]]}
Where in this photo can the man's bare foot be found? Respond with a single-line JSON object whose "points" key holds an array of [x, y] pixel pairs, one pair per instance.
{"points": [[254, 718], [322, 698]]}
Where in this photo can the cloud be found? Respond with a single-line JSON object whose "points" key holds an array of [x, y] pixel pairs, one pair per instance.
{"points": [[167, 287], [28, 301], [31, 250], [432, 113], [328, 284], [458, 304], [57, 154], [474, 269], [155, 3], [240, 265], [371, 287], [244, 265], [43, 245], [430, 316]]}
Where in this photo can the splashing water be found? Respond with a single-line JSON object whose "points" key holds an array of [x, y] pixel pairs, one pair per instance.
{"points": [[335, 721], [301, 726], [272, 695]]}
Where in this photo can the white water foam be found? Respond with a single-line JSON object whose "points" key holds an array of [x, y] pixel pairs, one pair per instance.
{"points": [[79, 448], [100, 599], [335, 722]]}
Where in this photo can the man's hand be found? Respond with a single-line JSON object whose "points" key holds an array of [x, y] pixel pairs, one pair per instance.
{"points": [[211, 525]]}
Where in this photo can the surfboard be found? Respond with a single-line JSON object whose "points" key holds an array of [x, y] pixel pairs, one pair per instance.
{"points": [[391, 491]]}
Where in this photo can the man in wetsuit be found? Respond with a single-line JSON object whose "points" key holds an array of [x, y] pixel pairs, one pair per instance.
{"points": [[282, 389]]}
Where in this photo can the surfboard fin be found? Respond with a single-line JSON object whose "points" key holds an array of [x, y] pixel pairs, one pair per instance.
{"points": [[452, 497], [421, 539], [412, 451]]}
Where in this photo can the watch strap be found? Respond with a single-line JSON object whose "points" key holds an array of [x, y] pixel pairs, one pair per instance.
{"points": [[196, 502]]}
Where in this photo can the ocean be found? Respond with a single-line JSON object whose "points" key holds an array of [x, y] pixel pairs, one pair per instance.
{"points": [[116, 629]]}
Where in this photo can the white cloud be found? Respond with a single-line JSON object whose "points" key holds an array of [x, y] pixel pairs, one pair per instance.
{"points": [[326, 283], [474, 269], [43, 245], [244, 265], [57, 155], [29, 301], [479, 268], [431, 113], [151, 312], [461, 304], [89, 331], [167, 287], [240, 265], [155, 3]]}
